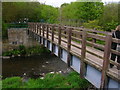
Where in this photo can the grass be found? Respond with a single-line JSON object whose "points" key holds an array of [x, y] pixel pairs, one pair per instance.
{"points": [[72, 80], [0, 84]]}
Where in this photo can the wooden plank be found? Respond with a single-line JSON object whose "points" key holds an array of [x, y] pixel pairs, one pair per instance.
{"points": [[114, 63], [64, 35], [96, 45], [115, 52], [75, 38], [116, 40], [96, 36], [77, 33], [106, 61], [94, 54]]}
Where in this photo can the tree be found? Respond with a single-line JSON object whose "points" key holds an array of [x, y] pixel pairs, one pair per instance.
{"points": [[19, 12], [109, 20], [82, 10]]}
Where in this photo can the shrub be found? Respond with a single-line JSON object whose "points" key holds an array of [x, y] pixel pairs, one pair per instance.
{"points": [[4, 30], [92, 24], [110, 26]]}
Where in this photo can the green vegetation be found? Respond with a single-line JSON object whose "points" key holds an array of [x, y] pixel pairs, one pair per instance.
{"points": [[82, 10], [0, 84], [23, 12], [4, 30], [27, 51], [110, 17], [91, 15], [88, 14], [72, 80]]}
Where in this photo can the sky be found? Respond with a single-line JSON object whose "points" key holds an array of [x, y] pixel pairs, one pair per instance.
{"points": [[57, 3]]}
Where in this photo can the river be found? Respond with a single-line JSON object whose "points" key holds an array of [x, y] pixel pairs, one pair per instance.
{"points": [[32, 65]]}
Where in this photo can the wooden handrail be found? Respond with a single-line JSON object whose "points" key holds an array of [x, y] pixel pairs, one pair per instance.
{"points": [[75, 34], [116, 40]]}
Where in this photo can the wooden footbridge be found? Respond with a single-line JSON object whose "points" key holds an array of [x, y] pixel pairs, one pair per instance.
{"points": [[80, 48]]}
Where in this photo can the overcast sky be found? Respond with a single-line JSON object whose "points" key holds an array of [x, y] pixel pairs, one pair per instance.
{"points": [[57, 3]]}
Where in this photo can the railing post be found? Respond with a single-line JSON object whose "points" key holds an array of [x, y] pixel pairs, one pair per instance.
{"points": [[43, 28], [37, 27], [40, 32], [52, 33], [47, 34], [83, 54], [69, 46], [34, 27], [40, 29], [34, 30], [47, 31], [59, 41], [106, 60], [52, 38]]}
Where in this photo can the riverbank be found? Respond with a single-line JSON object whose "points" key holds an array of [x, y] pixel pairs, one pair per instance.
{"points": [[23, 51], [50, 80]]}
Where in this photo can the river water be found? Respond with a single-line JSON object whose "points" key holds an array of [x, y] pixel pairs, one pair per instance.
{"points": [[32, 65]]}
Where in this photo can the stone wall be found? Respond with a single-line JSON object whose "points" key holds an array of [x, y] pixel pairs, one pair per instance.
{"points": [[17, 36]]}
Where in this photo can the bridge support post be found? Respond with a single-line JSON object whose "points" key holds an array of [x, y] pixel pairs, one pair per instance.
{"points": [[83, 54], [69, 46], [106, 61]]}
